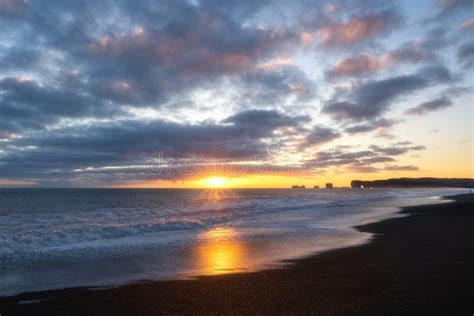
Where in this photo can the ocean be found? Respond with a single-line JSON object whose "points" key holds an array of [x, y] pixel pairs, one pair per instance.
{"points": [[60, 238]]}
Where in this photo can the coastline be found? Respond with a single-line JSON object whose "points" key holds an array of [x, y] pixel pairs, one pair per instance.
{"points": [[414, 264]]}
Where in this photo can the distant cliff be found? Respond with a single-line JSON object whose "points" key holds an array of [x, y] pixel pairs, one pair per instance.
{"points": [[415, 182]]}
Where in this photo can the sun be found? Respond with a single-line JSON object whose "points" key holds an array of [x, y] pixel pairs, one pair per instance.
{"points": [[215, 182]]}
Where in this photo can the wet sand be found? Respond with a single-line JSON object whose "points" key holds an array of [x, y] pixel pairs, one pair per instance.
{"points": [[420, 264]]}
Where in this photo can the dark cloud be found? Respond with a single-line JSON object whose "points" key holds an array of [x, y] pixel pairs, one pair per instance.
{"points": [[362, 161], [324, 159], [25, 104], [361, 168], [401, 168], [371, 99], [437, 38], [130, 142], [396, 149], [403, 143], [319, 135], [258, 122], [271, 83], [358, 161], [456, 91], [370, 126], [240, 139], [19, 58], [13, 7], [448, 7], [378, 159], [142, 54], [466, 54], [410, 53], [193, 45], [354, 66], [430, 106], [218, 52]]}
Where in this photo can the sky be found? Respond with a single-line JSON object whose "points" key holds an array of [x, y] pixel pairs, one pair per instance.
{"points": [[241, 93]]}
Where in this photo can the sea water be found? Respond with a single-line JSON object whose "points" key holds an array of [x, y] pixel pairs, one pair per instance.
{"points": [[58, 238]]}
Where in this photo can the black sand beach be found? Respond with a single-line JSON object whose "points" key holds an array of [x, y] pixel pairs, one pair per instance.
{"points": [[422, 264]]}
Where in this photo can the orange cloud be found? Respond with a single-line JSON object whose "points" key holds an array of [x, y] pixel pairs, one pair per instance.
{"points": [[351, 32], [357, 29], [307, 37], [13, 182], [279, 61], [13, 6], [468, 25], [362, 63]]}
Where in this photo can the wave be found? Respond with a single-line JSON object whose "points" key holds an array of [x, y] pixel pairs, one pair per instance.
{"points": [[176, 219]]}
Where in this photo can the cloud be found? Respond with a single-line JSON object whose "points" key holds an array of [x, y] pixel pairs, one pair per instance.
{"points": [[401, 168], [217, 53], [449, 7], [466, 54], [359, 28], [16, 183], [403, 143], [430, 106], [370, 126], [358, 161], [355, 66], [240, 137], [272, 85], [258, 122], [319, 135], [412, 52], [467, 25], [192, 46], [373, 98], [368, 63], [361, 161], [142, 62], [362, 169], [13, 7], [18, 58], [111, 56], [396, 149], [336, 158], [378, 159], [25, 104]]}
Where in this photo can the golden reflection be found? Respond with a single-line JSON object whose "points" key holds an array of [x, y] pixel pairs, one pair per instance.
{"points": [[214, 195], [222, 252]]}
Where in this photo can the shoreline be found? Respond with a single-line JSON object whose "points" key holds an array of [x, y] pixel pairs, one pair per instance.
{"points": [[375, 277]]}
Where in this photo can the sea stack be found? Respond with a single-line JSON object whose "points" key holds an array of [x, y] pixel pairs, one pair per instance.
{"points": [[298, 187]]}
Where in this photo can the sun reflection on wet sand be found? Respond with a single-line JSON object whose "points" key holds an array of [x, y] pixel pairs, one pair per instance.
{"points": [[222, 252]]}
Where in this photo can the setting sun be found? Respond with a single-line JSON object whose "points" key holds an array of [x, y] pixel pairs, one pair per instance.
{"points": [[216, 182]]}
